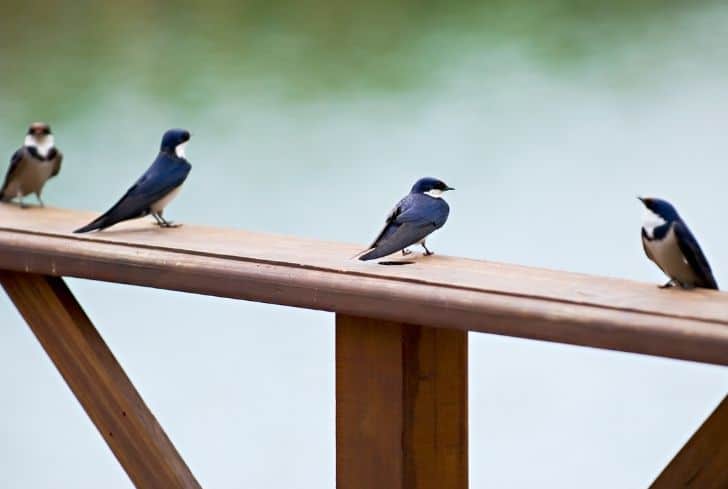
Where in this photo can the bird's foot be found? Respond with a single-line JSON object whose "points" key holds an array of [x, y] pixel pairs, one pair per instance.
{"points": [[427, 251], [406, 252], [169, 224]]}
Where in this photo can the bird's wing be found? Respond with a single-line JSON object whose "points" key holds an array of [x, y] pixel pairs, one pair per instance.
{"points": [[161, 178], [400, 237], [411, 221], [694, 255], [57, 159], [388, 223], [152, 186], [14, 164]]}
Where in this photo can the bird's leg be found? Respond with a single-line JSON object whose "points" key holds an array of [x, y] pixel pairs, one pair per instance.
{"points": [[670, 283], [167, 224], [156, 218], [40, 201], [20, 201], [427, 252], [406, 252]]}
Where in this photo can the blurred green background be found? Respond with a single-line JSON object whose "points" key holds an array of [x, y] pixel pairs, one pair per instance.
{"points": [[312, 118]]}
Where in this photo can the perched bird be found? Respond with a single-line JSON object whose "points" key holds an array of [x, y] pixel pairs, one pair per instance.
{"points": [[417, 215], [669, 243], [32, 165], [155, 189]]}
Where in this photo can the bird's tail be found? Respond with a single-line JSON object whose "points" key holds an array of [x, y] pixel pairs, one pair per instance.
{"points": [[99, 223], [371, 254]]}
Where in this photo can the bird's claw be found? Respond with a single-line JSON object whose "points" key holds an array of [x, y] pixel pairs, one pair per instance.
{"points": [[406, 252]]}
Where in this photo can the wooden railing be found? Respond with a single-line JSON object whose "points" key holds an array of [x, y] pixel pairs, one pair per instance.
{"points": [[401, 335]]}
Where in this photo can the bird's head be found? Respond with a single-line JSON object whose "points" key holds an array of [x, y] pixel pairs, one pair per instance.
{"points": [[39, 136], [174, 142], [430, 186], [658, 212]]}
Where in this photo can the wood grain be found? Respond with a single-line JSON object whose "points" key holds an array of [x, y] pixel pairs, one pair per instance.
{"points": [[401, 406], [703, 462], [437, 291], [98, 382]]}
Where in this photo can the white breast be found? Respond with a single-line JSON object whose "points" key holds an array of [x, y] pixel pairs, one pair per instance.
{"points": [[667, 255], [30, 177], [159, 205]]}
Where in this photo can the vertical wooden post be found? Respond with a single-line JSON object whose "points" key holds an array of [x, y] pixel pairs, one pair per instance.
{"points": [[703, 461], [98, 381], [401, 406]]}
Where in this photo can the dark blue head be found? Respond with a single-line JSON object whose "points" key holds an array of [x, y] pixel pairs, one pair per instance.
{"points": [[173, 142], [430, 186], [661, 208], [658, 217]]}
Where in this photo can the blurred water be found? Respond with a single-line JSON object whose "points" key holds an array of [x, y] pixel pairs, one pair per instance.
{"points": [[311, 119]]}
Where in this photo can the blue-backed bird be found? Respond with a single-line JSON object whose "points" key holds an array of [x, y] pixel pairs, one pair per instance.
{"points": [[155, 189], [32, 165], [418, 214], [668, 242]]}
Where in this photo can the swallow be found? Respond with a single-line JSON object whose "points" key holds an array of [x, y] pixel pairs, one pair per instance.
{"points": [[417, 215], [32, 165], [155, 189], [668, 242]]}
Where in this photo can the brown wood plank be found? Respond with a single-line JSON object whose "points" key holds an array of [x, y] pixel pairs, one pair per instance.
{"points": [[98, 381], [438, 291], [703, 462], [401, 406]]}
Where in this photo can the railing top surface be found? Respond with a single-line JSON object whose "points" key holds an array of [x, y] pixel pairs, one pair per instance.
{"points": [[437, 291]]}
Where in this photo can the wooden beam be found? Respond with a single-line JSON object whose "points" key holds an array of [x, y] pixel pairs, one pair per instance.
{"points": [[98, 381], [437, 291], [401, 406], [703, 462]]}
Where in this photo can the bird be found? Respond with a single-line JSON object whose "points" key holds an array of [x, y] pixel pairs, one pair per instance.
{"points": [[155, 189], [32, 165], [418, 214], [668, 242]]}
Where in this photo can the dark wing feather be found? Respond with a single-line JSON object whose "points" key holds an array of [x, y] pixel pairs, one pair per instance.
{"points": [[162, 177], [415, 217], [58, 159], [400, 237], [388, 223], [14, 164], [694, 255]]}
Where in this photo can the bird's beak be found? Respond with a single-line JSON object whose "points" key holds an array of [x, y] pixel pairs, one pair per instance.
{"points": [[641, 199], [449, 188]]}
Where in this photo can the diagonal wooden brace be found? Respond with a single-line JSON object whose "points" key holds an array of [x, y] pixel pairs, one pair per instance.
{"points": [[98, 381], [703, 462]]}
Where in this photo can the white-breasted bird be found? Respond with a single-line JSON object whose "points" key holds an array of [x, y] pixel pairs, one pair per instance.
{"points": [[32, 165], [668, 242]]}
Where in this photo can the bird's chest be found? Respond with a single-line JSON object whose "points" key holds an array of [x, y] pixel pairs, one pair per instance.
{"points": [[159, 205], [33, 175], [666, 253]]}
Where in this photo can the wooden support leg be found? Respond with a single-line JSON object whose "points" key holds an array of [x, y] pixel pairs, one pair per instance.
{"points": [[703, 461], [98, 381], [401, 406]]}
